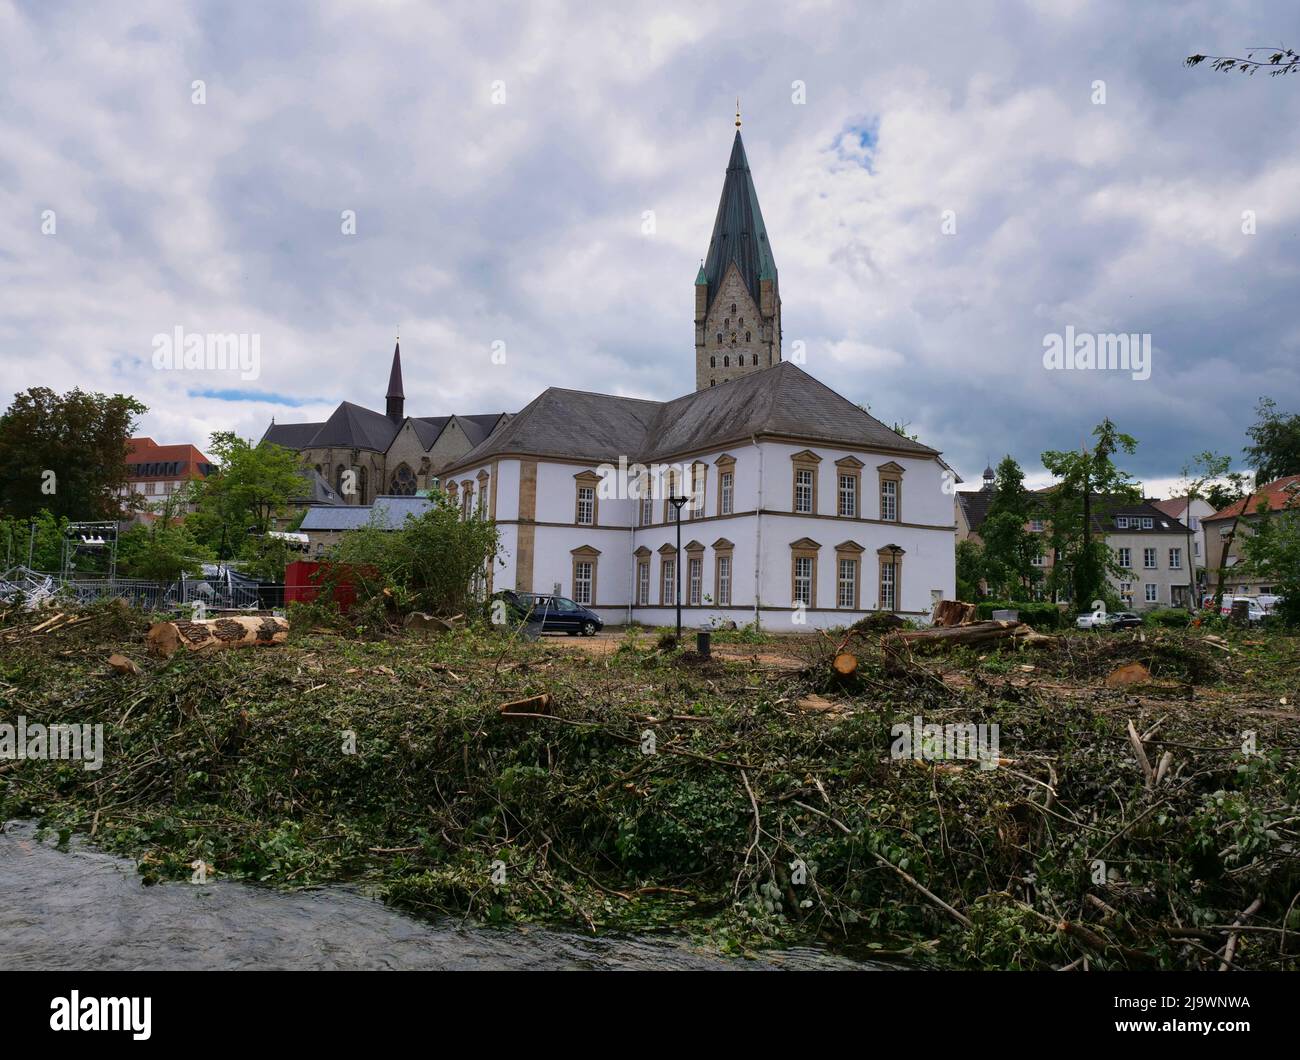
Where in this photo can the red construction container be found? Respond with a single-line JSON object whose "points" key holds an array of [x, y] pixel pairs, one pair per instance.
{"points": [[302, 583]]}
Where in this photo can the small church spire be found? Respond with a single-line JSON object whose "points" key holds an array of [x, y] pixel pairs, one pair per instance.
{"points": [[396, 399], [737, 112]]}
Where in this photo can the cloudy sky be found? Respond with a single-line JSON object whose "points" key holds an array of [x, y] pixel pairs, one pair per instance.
{"points": [[500, 163]]}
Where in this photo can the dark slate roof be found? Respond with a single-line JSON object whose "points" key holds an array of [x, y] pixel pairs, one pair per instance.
{"points": [[315, 489], [975, 503], [354, 427], [1105, 509], [570, 424], [292, 435], [427, 428], [783, 400], [477, 428], [390, 512], [739, 234]]}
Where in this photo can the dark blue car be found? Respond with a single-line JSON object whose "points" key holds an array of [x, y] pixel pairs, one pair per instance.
{"points": [[552, 614]]}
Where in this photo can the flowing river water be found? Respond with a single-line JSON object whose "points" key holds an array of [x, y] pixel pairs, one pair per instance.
{"points": [[78, 908]]}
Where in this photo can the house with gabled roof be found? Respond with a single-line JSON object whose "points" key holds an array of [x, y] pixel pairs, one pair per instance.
{"points": [[1228, 530], [801, 510]]}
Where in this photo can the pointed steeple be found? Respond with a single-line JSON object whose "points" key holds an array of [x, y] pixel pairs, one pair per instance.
{"points": [[396, 398], [739, 234]]}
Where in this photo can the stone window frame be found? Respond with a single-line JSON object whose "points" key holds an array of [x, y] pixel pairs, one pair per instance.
{"points": [[726, 465], [669, 479], [849, 467], [483, 478], [642, 555], [884, 557], [804, 460], [466, 498], [723, 549], [581, 481], [694, 554], [667, 555], [890, 472], [849, 551], [700, 482], [584, 554], [804, 548]]}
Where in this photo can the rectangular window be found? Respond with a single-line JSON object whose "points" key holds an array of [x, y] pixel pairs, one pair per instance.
{"points": [[803, 571], [1149, 559], [846, 593], [1147, 522], [582, 582], [803, 491], [1126, 592], [1175, 559], [889, 500], [849, 496], [1121, 522], [695, 579], [728, 491], [1126, 557], [1036, 525], [647, 506], [669, 588], [724, 581], [1038, 560], [887, 594], [586, 506], [1152, 596], [698, 473], [643, 584]]}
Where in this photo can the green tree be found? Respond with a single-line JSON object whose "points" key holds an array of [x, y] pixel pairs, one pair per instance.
{"points": [[1275, 452], [65, 453], [1010, 547], [163, 549], [252, 486], [44, 545], [434, 562], [970, 569], [1272, 553], [1089, 487]]}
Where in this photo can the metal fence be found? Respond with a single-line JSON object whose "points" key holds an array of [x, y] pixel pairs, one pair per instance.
{"points": [[213, 593]]}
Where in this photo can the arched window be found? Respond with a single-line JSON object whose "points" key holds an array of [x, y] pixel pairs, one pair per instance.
{"points": [[747, 336], [741, 322], [338, 478], [713, 382], [362, 480], [402, 483], [719, 338], [733, 307], [713, 362], [726, 362]]}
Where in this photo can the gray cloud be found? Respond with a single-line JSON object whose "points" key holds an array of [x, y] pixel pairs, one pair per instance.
{"points": [[523, 222]]}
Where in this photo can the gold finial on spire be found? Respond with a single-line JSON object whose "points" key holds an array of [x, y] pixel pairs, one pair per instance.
{"points": [[737, 112]]}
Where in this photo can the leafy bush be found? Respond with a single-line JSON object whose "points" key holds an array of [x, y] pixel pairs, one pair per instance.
{"points": [[1040, 615], [1168, 617]]}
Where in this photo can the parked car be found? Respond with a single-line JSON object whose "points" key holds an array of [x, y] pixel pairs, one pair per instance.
{"points": [[1091, 620], [1254, 614], [552, 614], [1123, 620]]}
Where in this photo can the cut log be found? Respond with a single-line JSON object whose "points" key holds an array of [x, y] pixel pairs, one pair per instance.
{"points": [[216, 634], [122, 664], [943, 638], [952, 613], [845, 664], [532, 705], [1133, 673]]}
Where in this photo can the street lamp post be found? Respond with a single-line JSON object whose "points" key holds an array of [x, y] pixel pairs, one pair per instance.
{"points": [[678, 503]]}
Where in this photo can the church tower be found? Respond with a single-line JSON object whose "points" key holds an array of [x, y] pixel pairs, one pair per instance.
{"points": [[737, 299]]}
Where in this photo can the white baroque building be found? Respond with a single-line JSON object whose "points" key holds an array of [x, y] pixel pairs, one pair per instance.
{"points": [[803, 511]]}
